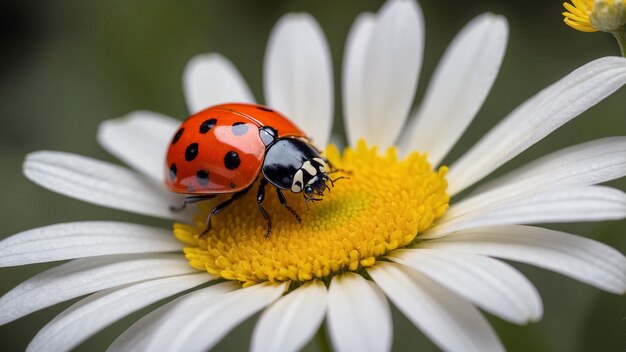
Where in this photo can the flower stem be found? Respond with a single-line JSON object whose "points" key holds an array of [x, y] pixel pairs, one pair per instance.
{"points": [[620, 35]]}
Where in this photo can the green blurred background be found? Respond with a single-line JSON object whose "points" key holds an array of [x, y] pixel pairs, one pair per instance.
{"points": [[68, 65]]}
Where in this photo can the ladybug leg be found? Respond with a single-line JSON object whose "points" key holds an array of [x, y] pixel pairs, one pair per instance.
{"points": [[220, 207], [191, 200], [260, 197], [283, 201]]}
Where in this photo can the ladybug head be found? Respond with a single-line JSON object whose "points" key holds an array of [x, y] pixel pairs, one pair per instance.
{"points": [[294, 164], [310, 178]]}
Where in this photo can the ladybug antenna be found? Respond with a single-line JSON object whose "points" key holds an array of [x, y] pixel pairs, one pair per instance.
{"points": [[332, 181]]}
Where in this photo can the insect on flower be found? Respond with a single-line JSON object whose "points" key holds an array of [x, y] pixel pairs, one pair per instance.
{"points": [[225, 148]]}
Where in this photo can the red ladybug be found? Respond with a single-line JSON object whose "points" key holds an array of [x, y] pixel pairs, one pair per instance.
{"points": [[225, 148]]}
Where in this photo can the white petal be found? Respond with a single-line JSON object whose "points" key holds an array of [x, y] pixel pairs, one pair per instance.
{"points": [[138, 335], [289, 323], [199, 323], [583, 259], [353, 78], [449, 321], [538, 117], [490, 284], [359, 318], [140, 139], [83, 276], [581, 165], [587, 163], [100, 183], [591, 203], [211, 79], [94, 313], [381, 70], [298, 75], [84, 239], [459, 86]]}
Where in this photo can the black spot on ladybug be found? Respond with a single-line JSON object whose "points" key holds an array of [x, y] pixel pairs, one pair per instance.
{"points": [[207, 125], [239, 128], [173, 171], [232, 185], [231, 160], [178, 135], [203, 177], [264, 109], [191, 152]]}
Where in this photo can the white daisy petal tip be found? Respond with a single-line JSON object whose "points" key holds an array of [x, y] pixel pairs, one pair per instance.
{"points": [[294, 18], [83, 276], [135, 138], [84, 239], [536, 118], [101, 183], [298, 74], [211, 79], [351, 82], [459, 86], [495, 23], [382, 63]]}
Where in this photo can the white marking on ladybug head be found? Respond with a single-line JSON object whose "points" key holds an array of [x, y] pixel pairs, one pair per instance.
{"points": [[298, 182], [309, 168], [312, 181], [322, 163]]}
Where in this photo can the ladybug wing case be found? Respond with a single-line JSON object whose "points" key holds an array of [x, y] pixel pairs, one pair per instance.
{"points": [[214, 151]]}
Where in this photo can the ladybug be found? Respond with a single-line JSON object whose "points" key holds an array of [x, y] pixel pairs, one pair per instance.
{"points": [[225, 148]]}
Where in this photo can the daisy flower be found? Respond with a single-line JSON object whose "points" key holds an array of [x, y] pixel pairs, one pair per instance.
{"points": [[598, 15], [397, 231], [595, 15]]}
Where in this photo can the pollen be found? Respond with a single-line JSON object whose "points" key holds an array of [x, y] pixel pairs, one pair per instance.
{"points": [[381, 205]]}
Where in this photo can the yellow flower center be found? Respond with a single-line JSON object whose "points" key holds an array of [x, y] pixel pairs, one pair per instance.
{"points": [[595, 15], [383, 205]]}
